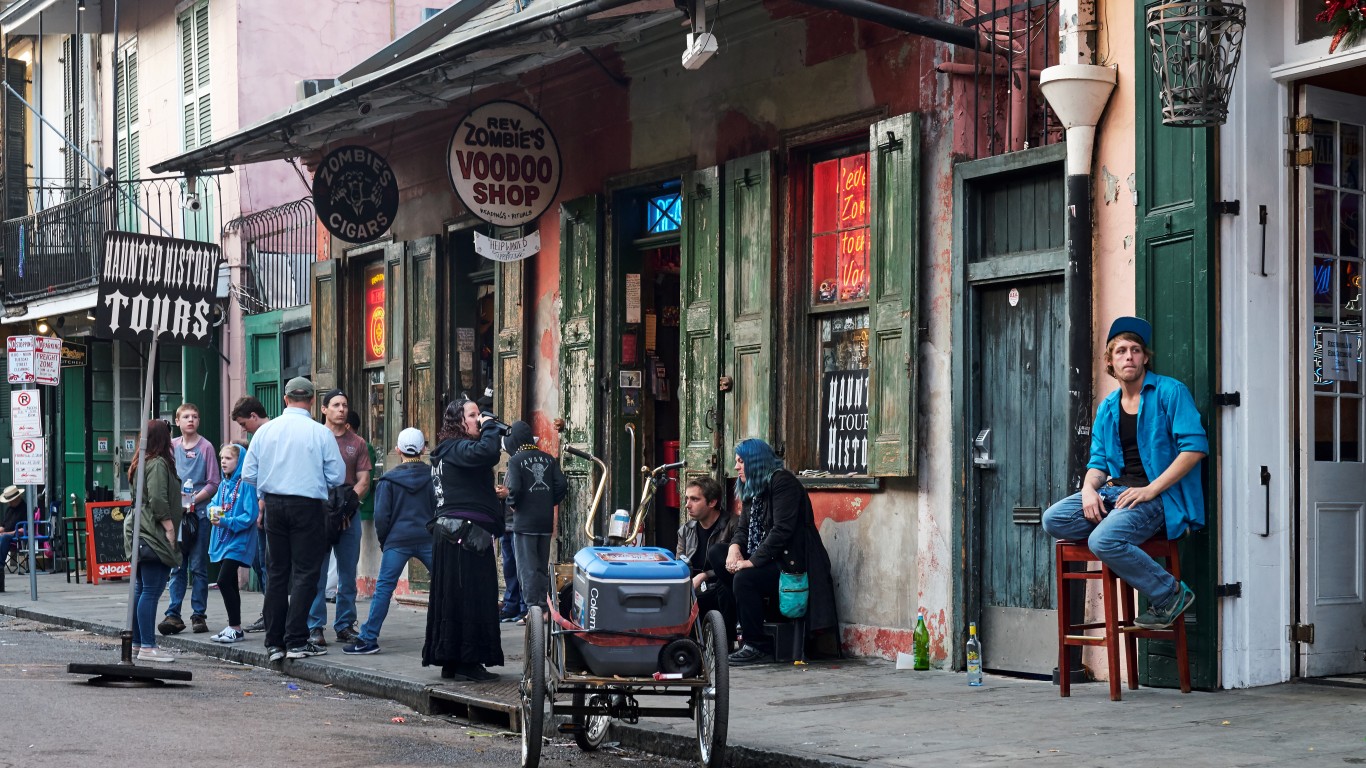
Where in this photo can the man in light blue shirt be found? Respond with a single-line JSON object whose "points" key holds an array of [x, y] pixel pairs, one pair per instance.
{"points": [[1145, 441], [293, 461]]}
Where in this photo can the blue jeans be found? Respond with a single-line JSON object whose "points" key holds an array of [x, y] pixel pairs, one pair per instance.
{"points": [[197, 561], [390, 566], [152, 576], [514, 603], [347, 550], [1116, 539], [6, 539]]}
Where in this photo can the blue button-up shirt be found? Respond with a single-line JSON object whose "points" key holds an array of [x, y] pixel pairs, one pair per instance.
{"points": [[293, 455], [1168, 425]]}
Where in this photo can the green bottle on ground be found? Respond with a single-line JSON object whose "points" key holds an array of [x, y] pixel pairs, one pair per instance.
{"points": [[921, 650], [974, 656]]}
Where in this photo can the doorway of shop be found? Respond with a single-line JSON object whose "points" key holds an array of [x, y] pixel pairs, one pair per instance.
{"points": [[1331, 538], [644, 378]]}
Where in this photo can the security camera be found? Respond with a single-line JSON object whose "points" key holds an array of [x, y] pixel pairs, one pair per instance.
{"points": [[191, 202]]}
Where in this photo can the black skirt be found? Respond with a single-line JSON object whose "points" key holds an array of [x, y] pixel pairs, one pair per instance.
{"points": [[462, 609]]}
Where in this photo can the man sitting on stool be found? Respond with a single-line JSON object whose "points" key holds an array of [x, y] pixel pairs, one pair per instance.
{"points": [[703, 541], [1146, 439]]}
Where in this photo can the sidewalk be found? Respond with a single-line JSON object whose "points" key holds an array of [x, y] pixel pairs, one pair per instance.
{"points": [[856, 712]]}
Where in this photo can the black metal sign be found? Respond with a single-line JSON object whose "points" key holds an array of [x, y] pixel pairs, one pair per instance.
{"points": [[844, 422], [160, 287], [355, 194]]}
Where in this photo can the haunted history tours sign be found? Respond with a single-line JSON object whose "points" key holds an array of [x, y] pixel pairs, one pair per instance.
{"points": [[355, 194], [844, 422], [158, 287], [504, 163]]}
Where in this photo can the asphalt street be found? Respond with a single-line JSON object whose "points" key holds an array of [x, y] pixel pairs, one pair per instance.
{"points": [[229, 715]]}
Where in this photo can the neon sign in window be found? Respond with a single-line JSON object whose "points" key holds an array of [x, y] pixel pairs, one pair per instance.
{"points": [[664, 213], [839, 230]]}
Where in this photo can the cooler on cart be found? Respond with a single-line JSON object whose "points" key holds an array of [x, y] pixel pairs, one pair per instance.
{"points": [[637, 590]]}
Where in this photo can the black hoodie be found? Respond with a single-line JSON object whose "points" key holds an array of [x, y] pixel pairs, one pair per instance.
{"points": [[534, 481], [404, 502], [462, 476]]}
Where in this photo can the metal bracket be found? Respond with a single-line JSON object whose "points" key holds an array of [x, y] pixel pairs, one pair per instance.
{"points": [[1302, 633], [1229, 590], [1228, 207], [1234, 399]]}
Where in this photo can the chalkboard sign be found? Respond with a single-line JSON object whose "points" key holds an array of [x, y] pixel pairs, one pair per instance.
{"points": [[104, 539], [844, 423]]}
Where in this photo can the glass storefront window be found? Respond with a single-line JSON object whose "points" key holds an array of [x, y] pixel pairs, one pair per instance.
{"points": [[839, 230]]}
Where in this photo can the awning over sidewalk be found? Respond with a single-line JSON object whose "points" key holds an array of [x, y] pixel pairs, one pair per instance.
{"points": [[496, 45]]}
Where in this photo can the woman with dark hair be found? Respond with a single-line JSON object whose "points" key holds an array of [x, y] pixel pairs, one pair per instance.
{"points": [[776, 534], [160, 522], [462, 609]]}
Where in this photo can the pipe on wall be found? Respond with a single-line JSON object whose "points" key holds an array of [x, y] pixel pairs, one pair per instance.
{"points": [[913, 23]]}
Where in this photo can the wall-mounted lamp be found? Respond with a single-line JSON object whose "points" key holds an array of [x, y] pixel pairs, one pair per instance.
{"points": [[80, 5], [43, 327], [90, 315]]}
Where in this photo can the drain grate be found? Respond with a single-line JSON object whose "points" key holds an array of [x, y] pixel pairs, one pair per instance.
{"points": [[837, 698]]}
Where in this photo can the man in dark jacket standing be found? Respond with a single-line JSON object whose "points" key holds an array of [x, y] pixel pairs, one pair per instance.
{"points": [[404, 502], [535, 486]]}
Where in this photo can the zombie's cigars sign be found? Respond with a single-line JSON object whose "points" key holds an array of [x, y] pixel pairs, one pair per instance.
{"points": [[157, 286], [355, 193], [504, 163]]}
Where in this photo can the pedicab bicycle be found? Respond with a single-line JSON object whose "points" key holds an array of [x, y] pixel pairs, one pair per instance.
{"points": [[629, 630]]}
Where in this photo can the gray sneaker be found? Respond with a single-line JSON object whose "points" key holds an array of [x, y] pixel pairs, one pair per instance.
{"points": [[1161, 618], [275, 653], [305, 650]]}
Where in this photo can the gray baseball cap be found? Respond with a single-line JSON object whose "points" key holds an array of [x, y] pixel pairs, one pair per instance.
{"points": [[299, 388], [411, 442]]}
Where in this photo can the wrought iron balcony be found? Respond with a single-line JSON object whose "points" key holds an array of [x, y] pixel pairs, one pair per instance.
{"points": [[279, 245], [58, 249]]}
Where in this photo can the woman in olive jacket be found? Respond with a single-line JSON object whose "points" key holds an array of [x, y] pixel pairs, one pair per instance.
{"points": [[161, 515], [776, 534]]}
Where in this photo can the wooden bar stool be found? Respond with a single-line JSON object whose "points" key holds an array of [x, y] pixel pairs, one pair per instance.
{"points": [[1118, 606]]}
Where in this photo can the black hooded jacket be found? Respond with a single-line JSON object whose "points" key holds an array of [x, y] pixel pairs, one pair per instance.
{"points": [[534, 481], [404, 502], [462, 476]]}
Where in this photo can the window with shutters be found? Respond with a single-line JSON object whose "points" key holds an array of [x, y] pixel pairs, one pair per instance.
{"points": [[16, 140], [126, 133], [195, 100], [75, 86]]}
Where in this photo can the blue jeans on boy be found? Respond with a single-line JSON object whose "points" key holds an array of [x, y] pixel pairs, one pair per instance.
{"points": [[197, 562], [1116, 539], [152, 576], [347, 550], [390, 566], [513, 604]]}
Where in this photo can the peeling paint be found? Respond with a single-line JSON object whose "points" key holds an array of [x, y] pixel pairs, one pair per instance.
{"points": [[1128, 242], [1111, 183]]}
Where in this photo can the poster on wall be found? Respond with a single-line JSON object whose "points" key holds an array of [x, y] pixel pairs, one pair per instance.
{"points": [[844, 422], [504, 163], [355, 194], [157, 286]]}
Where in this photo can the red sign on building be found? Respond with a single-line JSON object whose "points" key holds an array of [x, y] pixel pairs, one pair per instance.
{"points": [[374, 314]]}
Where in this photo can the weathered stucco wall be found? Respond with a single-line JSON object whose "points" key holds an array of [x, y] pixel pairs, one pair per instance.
{"points": [[781, 69]]}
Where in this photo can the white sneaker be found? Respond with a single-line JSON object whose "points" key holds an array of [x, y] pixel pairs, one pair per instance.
{"points": [[228, 635], [156, 654]]}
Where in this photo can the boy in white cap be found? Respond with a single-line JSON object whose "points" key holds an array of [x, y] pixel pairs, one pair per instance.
{"points": [[404, 502], [1145, 441]]}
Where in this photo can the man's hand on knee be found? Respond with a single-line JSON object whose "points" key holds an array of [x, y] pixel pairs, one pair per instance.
{"points": [[1091, 505]]}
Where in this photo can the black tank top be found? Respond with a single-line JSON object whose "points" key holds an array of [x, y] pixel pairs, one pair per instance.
{"points": [[1133, 475]]}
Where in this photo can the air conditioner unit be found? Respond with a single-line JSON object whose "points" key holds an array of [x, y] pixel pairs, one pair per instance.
{"points": [[310, 88]]}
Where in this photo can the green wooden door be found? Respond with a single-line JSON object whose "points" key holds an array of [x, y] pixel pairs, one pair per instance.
{"points": [[1176, 269], [749, 299], [326, 329], [395, 350], [580, 240], [424, 344], [700, 319], [263, 359], [509, 331]]}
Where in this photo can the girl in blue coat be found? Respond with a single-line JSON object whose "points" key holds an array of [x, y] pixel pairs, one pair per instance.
{"points": [[233, 513]]}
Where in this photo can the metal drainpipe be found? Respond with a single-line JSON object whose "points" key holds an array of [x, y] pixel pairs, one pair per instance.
{"points": [[913, 23]]}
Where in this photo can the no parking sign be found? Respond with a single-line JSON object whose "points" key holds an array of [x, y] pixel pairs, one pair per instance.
{"points": [[29, 467]]}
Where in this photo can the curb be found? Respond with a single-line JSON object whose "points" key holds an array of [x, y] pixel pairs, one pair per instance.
{"points": [[418, 697]]}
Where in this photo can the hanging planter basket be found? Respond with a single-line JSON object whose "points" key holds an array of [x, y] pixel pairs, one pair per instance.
{"points": [[1195, 47]]}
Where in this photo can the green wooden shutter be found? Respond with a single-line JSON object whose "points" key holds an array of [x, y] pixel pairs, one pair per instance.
{"points": [[509, 330], [16, 141], [72, 108], [202, 384], [326, 329], [894, 259], [1176, 266], [749, 296], [395, 350], [580, 237], [423, 344], [264, 359], [196, 102], [700, 317]]}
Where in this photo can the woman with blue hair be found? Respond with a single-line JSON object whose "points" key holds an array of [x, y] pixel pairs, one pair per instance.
{"points": [[776, 534]]}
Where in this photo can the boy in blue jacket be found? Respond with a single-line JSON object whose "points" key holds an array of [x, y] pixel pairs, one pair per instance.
{"points": [[404, 502]]}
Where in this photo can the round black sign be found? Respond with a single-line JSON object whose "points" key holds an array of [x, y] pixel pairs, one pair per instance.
{"points": [[355, 194]]}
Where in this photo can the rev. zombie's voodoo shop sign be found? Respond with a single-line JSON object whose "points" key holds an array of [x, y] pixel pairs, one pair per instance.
{"points": [[504, 163], [157, 286]]}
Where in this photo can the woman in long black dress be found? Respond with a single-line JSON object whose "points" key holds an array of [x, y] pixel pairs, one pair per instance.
{"points": [[462, 610]]}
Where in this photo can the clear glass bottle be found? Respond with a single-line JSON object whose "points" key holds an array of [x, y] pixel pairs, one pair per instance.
{"points": [[974, 649]]}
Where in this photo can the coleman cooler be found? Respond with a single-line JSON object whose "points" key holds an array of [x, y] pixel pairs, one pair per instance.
{"points": [[628, 589]]}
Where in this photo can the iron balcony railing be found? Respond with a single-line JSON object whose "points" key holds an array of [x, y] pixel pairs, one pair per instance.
{"points": [[279, 246], [58, 249]]}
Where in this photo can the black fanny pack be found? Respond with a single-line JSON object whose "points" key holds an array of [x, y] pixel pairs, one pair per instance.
{"points": [[461, 532]]}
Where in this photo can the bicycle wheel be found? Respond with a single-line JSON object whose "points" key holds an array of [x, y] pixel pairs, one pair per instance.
{"points": [[532, 689], [711, 704], [592, 728]]}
